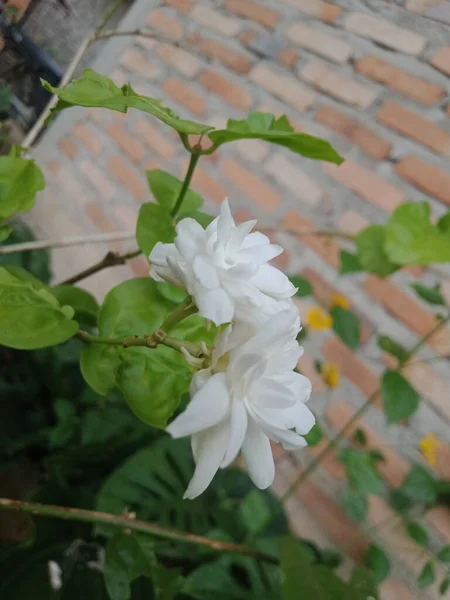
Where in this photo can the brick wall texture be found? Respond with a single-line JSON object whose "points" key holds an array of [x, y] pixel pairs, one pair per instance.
{"points": [[373, 79]]}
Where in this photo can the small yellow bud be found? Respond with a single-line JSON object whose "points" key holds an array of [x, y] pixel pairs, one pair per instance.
{"points": [[318, 319], [330, 374], [340, 300], [429, 447]]}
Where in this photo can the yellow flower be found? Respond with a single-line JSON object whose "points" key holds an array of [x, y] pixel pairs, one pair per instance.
{"points": [[429, 447], [330, 374], [318, 319], [340, 300]]}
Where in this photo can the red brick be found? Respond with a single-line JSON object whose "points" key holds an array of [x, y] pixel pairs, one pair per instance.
{"points": [[370, 142], [207, 185], [317, 8], [133, 60], [231, 92], [301, 185], [288, 58], [159, 20], [352, 222], [366, 184], [399, 80], [232, 59], [68, 146], [283, 86], [98, 217], [323, 291], [155, 140], [390, 589], [326, 248], [439, 517], [134, 149], [184, 62], [441, 60], [393, 468], [98, 179], [319, 42], [330, 463], [249, 183], [184, 6], [91, 140], [183, 94], [247, 37], [408, 310], [129, 177], [414, 126], [307, 367], [255, 11], [331, 82], [351, 366], [213, 19], [429, 178]]}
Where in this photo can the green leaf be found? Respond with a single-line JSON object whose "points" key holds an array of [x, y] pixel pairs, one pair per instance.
{"points": [[445, 586], [5, 232], [264, 126], [31, 317], [412, 240], [430, 294], [303, 285], [254, 510], [314, 435], [127, 557], [346, 325], [444, 223], [378, 562], [83, 303], [355, 505], [104, 423], [36, 262], [20, 180], [361, 471], [152, 382], [66, 423], [427, 575], [349, 263], [154, 225], [93, 89], [399, 501], [417, 533], [389, 345], [444, 554], [171, 293], [420, 486], [360, 438], [99, 364], [371, 252], [363, 584], [400, 399], [166, 188]]}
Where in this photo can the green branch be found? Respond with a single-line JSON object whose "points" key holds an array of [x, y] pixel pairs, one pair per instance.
{"points": [[195, 155], [124, 522]]}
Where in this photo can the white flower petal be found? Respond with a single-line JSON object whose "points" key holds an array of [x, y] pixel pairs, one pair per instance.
{"points": [[255, 239], [205, 272], [262, 254], [271, 280], [210, 449], [238, 429], [225, 223], [215, 305], [300, 418], [272, 394], [258, 456], [158, 255], [210, 405]]}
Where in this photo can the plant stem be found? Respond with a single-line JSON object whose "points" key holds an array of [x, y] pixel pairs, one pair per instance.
{"points": [[123, 522], [107, 16], [78, 240], [187, 180], [110, 260]]}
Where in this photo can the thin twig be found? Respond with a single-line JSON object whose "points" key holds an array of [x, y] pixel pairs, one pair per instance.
{"points": [[124, 522], [110, 260], [78, 240]]}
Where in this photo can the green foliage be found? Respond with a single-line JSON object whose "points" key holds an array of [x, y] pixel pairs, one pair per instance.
{"points": [[303, 285], [346, 325], [20, 180], [378, 562], [36, 263], [254, 511], [361, 471], [83, 303], [66, 423], [427, 575], [154, 225], [166, 189], [417, 533], [127, 557], [93, 89], [400, 399], [370, 244], [386, 343], [349, 263], [412, 239], [5, 232], [430, 294], [264, 126], [444, 554], [30, 316], [99, 364], [444, 586], [315, 435], [355, 504], [420, 486]]}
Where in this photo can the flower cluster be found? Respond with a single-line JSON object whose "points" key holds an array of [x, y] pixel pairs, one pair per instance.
{"points": [[249, 393]]}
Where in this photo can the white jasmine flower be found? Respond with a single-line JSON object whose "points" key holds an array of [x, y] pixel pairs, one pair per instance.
{"points": [[55, 575], [249, 394], [224, 268]]}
